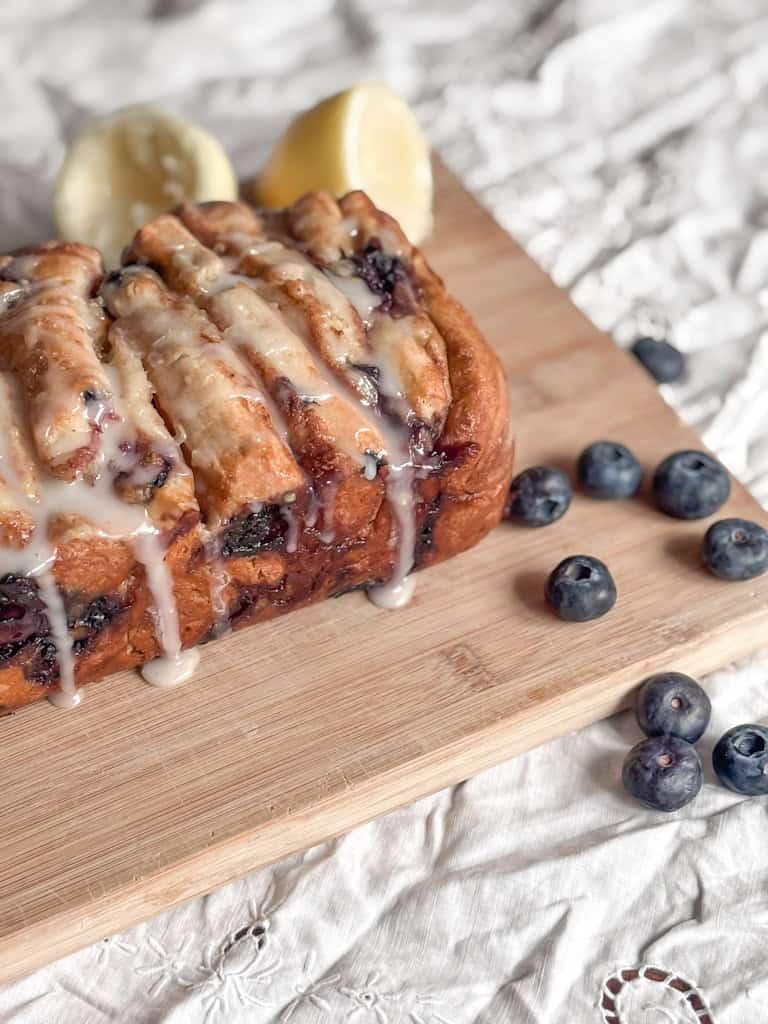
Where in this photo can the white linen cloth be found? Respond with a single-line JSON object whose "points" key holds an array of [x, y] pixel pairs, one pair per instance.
{"points": [[626, 143]]}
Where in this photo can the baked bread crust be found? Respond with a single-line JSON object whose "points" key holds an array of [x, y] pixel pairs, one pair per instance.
{"points": [[258, 411]]}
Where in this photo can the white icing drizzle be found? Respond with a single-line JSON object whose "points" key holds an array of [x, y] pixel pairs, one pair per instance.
{"points": [[357, 292], [313, 511], [264, 331], [65, 699], [350, 289], [171, 671], [36, 560], [249, 390], [400, 479], [265, 328], [175, 666], [328, 493], [294, 528], [201, 381], [220, 580], [43, 320], [393, 595], [97, 505], [342, 345], [387, 335], [370, 467], [57, 620], [149, 551]]}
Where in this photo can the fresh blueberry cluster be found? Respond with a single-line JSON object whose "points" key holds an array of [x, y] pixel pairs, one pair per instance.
{"points": [[664, 771], [685, 485]]}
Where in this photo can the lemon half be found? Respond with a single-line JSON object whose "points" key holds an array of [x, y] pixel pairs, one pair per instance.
{"points": [[366, 137], [130, 166]]}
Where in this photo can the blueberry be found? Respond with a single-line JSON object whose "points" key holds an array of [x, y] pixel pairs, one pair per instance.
{"points": [[736, 549], [607, 469], [581, 588], [663, 772], [690, 485], [663, 361], [740, 759], [539, 496], [671, 704], [22, 610], [388, 277], [253, 532]]}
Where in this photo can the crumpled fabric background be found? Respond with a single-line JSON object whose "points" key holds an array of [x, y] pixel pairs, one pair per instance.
{"points": [[625, 142]]}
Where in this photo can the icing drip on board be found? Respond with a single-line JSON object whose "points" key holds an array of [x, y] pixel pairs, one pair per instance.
{"points": [[170, 671], [393, 595]]}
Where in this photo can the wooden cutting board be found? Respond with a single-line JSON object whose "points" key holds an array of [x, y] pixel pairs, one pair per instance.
{"points": [[300, 729]]}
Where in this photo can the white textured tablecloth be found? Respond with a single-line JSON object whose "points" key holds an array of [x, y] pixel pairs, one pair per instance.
{"points": [[626, 143]]}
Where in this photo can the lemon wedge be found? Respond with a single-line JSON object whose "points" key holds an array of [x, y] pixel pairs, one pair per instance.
{"points": [[130, 166], [364, 138]]}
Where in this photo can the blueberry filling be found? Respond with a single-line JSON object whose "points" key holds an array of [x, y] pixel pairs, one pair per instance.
{"points": [[254, 532], [96, 287], [88, 622], [425, 537], [11, 611], [114, 277], [256, 596], [25, 630], [41, 661], [351, 589], [373, 372], [369, 383], [140, 472], [453, 455], [386, 276], [22, 612]]}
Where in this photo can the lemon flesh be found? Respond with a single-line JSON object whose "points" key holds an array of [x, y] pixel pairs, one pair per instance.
{"points": [[130, 166], [364, 138]]}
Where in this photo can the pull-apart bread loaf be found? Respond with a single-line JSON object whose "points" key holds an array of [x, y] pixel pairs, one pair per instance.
{"points": [[255, 412]]}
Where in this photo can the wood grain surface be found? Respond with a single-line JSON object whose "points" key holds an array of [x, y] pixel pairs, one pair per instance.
{"points": [[302, 728]]}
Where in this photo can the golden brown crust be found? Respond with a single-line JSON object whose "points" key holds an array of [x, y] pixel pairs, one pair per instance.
{"points": [[48, 339], [475, 485], [271, 373]]}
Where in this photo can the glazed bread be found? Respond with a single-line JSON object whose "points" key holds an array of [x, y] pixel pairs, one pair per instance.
{"points": [[257, 411]]}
